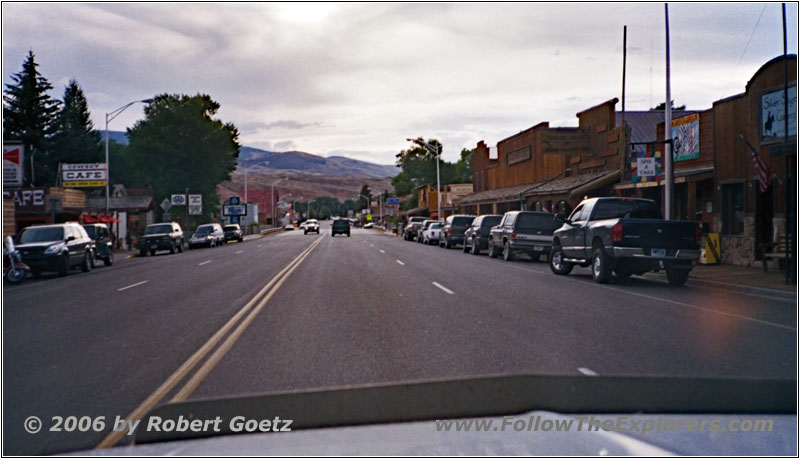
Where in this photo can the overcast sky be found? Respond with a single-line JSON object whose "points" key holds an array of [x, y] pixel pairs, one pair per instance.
{"points": [[358, 79]]}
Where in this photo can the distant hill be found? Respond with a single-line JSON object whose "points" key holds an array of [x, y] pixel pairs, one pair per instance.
{"points": [[264, 161]]}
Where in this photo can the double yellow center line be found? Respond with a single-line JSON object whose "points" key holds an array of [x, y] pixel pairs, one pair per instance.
{"points": [[250, 310]]}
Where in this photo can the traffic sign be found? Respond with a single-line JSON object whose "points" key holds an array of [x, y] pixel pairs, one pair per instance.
{"points": [[195, 204], [165, 204], [231, 210], [178, 199], [392, 201], [234, 200]]}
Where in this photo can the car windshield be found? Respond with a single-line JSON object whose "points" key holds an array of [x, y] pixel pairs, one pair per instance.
{"points": [[338, 152], [537, 221], [42, 235], [625, 209], [158, 229]]}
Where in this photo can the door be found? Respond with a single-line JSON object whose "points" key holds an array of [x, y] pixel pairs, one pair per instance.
{"points": [[572, 239]]}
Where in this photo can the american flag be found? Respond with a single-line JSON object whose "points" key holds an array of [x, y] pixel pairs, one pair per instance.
{"points": [[765, 175]]}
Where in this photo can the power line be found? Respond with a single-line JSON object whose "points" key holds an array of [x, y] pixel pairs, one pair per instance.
{"points": [[743, 52]]}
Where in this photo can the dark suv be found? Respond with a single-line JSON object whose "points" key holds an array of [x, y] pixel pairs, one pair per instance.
{"points": [[476, 237], [103, 247], [161, 236], [233, 232], [453, 231], [56, 248], [523, 231], [340, 227]]}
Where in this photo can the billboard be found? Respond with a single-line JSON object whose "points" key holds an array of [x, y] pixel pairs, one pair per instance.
{"points": [[234, 210], [83, 175], [772, 111], [646, 166], [686, 137], [13, 155]]}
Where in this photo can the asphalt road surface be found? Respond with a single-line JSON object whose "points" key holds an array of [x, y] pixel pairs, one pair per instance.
{"points": [[293, 311]]}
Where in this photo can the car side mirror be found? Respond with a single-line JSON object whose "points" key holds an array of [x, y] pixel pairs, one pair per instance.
{"points": [[70, 238], [560, 219]]}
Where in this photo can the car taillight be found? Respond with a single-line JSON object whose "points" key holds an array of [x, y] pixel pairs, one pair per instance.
{"points": [[616, 233], [451, 230], [698, 235], [513, 236]]}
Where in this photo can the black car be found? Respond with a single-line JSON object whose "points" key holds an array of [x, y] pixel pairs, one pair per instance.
{"points": [[453, 231], [476, 237], [161, 236], [340, 227], [56, 248], [103, 246], [233, 232]]}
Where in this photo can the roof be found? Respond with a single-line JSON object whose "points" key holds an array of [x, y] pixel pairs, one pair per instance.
{"points": [[565, 184], [644, 124], [557, 186], [497, 194], [127, 203]]}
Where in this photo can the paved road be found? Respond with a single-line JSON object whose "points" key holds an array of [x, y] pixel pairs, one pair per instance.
{"points": [[293, 311]]}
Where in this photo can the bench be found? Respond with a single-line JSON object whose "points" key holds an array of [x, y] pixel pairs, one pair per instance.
{"points": [[777, 248]]}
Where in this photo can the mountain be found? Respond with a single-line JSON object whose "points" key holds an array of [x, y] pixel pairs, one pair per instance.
{"points": [[258, 160], [263, 161]]}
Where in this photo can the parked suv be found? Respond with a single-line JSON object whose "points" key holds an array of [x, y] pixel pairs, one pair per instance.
{"points": [[523, 231], [103, 247], [161, 236], [340, 226], [476, 237], [233, 232], [453, 231], [56, 248], [209, 235]]}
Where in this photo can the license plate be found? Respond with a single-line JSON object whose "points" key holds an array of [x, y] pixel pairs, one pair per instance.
{"points": [[658, 252], [154, 246], [538, 248]]}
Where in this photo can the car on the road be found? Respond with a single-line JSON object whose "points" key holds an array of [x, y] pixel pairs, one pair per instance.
{"points": [[425, 225], [58, 248], [208, 235], [233, 232], [369, 225], [340, 226], [103, 247], [288, 227], [453, 230], [627, 236], [161, 236], [523, 232], [431, 235], [311, 226], [476, 237], [412, 228]]}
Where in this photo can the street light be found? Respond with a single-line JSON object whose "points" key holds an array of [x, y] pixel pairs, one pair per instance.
{"points": [[272, 199], [109, 117], [436, 151]]}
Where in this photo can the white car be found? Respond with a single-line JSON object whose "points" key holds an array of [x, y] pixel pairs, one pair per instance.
{"points": [[431, 235]]}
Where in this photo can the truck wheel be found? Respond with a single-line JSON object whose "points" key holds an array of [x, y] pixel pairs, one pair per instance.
{"points": [[677, 277], [466, 247], [508, 253], [601, 272], [109, 260], [494, 252], [172, 248], [180, 246], [557, 263]]}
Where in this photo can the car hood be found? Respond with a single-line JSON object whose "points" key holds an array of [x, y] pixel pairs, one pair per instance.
{"points": [[420, 418], [34, 245]]}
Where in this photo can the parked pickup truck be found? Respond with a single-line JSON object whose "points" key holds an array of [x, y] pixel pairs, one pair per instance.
{"points": [[522, 231], [627, 236]]}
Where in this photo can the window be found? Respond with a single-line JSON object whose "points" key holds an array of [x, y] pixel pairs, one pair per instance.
{"points": [[733, 208], [576, 215]]}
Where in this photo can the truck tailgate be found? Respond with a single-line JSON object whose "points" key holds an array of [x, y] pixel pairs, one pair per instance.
{"points": [[658, 234]]}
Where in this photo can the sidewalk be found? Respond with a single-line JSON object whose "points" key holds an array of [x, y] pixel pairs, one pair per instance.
{"points": [[739, 276]]}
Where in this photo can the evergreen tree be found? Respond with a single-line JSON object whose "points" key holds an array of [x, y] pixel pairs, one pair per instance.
{"points": [[28, 117], [75, 140]]}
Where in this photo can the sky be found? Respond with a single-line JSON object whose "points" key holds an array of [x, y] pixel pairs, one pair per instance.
{"points": [[357, 79]]}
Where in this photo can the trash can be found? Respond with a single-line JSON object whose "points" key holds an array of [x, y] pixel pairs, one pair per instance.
{"points": [[709, 249]]}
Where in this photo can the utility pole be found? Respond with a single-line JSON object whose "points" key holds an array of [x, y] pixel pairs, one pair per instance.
{"points": [[668, 174]]}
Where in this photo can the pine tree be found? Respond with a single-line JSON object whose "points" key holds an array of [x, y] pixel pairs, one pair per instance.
{"points": [[75, 140], [28, 117]]}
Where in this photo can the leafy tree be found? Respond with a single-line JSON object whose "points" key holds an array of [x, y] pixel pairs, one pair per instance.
{"points": [[179, 145], [28, 117], [419, 168], [663, 106], [75, 140], [365, 195]]}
